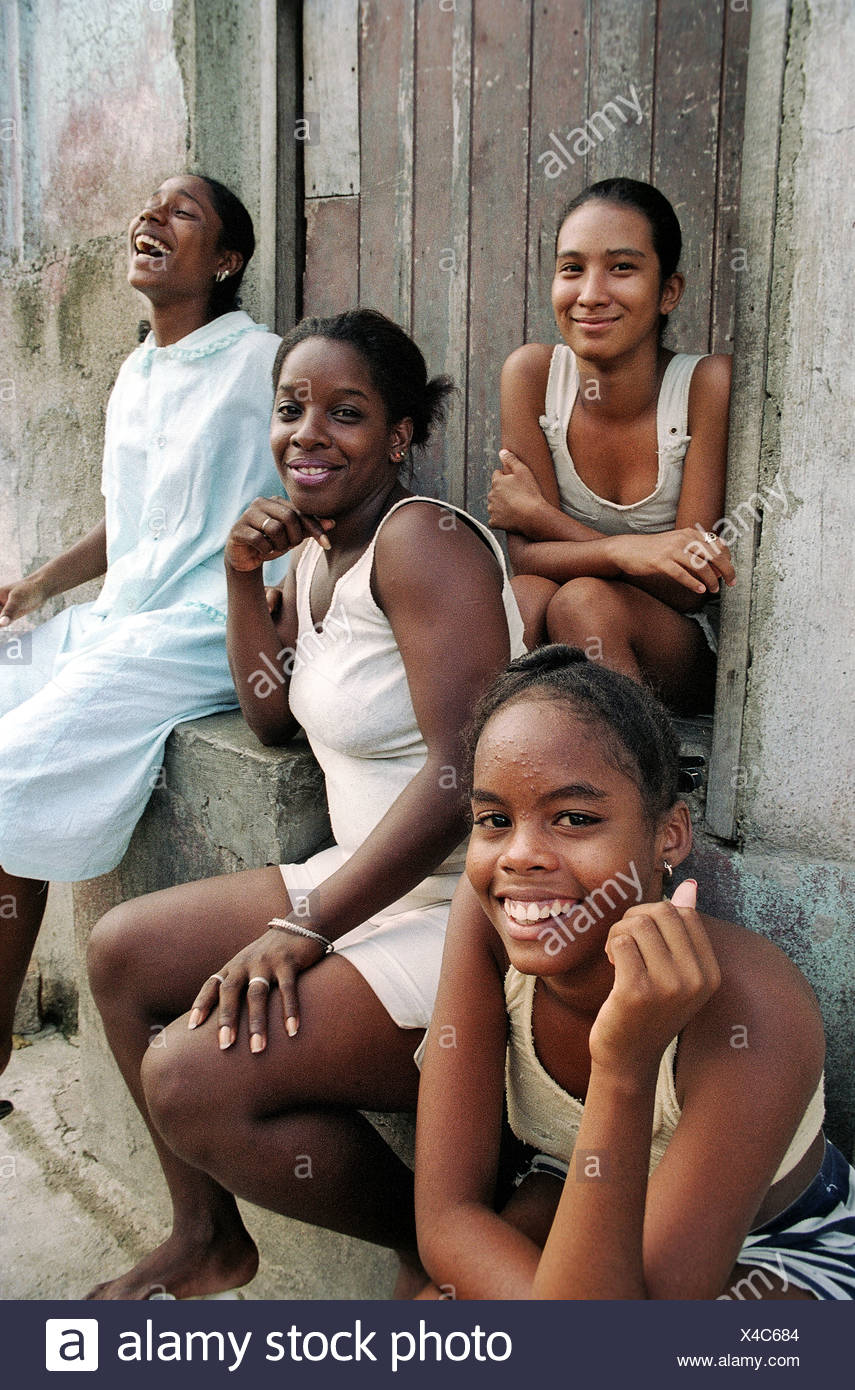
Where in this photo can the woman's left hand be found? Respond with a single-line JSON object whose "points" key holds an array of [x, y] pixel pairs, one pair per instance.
{"points": [[514, 495], [665, 971]]}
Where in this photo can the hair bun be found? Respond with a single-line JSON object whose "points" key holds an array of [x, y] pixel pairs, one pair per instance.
{"points": [[553, 657]]}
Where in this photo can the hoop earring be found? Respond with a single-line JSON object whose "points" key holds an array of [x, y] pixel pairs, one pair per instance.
{"points": [[221, 275], [667, 870]]}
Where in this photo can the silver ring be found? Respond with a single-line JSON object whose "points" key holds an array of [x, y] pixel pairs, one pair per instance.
{"points": [[711, 538], [215, 976], [260, 978], [264, 524]]}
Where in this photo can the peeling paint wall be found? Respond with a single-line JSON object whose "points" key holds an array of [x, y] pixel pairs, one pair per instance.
{"points": [[98, 119]]}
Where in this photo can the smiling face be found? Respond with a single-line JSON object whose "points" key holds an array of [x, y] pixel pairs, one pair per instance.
{"points": [[330, 436], [606, 293], [174, 243], [561, 845]]}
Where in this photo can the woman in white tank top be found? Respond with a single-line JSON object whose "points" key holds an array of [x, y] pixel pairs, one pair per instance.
{"points": [[613, 470], [392, 621]]}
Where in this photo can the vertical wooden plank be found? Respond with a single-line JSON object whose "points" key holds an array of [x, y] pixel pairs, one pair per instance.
{"points": [[622, 54], [728, 262], [441, 226], [559, 102], [760, 154], [268, 156], [331, 276], [331, 97], [686, 119], [500, 114], [288, 181], [386, 147]]}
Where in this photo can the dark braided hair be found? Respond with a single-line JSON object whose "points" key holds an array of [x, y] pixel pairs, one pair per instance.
{"points": [[395, 364], [637, 731], [644, 198]]}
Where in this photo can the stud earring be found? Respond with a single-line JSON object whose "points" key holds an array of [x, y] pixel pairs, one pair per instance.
{"points": [[397, 455], [668, 870], [221, 275]]}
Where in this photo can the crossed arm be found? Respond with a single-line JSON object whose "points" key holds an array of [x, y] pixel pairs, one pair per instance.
{"points": [[679, 566]]}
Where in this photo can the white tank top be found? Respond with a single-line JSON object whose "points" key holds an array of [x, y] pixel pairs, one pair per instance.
{"points": [[349, 691], [658, 511]]}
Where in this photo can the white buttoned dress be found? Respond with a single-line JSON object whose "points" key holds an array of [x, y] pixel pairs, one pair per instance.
{"points": [[88, 699]]}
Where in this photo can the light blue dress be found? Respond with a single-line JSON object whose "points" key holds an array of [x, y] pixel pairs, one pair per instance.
{"points": [[85, 712]]}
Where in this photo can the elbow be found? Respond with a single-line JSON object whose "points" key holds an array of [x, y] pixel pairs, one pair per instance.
{"points": [[521, 554], [270, 732], [273, 736]]}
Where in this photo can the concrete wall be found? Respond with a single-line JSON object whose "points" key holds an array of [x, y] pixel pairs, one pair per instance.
{"points": [[98, 118], [799, 729], [795, 808]]}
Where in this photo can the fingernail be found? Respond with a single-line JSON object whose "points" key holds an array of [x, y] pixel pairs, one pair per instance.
{"points": [[256, 1043], [4, 622], [324, 543], [691, 880], [291, 1026], [195, 1018], [226, 1038]]}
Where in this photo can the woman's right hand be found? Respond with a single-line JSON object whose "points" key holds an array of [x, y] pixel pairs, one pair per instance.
{"points": [[270, 527], [277, 957], [696, 559], [22, 597], [514, 496]]}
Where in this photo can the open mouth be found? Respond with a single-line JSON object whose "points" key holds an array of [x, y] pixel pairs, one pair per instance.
{"points": [[151, 246]]}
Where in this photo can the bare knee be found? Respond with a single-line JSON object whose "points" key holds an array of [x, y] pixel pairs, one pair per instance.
{"points": [[585, 611], [533, 593], [112, 953]]}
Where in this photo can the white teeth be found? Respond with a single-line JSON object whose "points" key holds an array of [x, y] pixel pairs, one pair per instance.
{"points": [[144, 243], [308, 468], [526, 912]]}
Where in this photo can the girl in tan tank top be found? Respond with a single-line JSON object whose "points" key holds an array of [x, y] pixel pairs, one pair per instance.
{"points": [[664, 1066]]}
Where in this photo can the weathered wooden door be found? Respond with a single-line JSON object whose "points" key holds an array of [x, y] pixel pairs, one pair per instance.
{"points": [[443, 138]]}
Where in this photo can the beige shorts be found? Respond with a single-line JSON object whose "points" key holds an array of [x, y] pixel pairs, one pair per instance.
{"points": [[398, 951]]}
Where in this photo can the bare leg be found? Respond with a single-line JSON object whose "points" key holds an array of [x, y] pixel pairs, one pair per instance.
{"points": [[282, 1128], [633, 632], [22, 906], [147, 959], [532, 594], [218, 1118]]}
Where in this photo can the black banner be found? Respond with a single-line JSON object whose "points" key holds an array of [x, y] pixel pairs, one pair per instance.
{"points": [[355, 1344]]}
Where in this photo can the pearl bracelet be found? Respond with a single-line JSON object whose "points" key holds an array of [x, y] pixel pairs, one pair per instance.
{"points": [[282, 924]]}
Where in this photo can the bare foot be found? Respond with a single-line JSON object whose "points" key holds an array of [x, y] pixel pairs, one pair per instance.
{"points": [[187, 1267]]}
